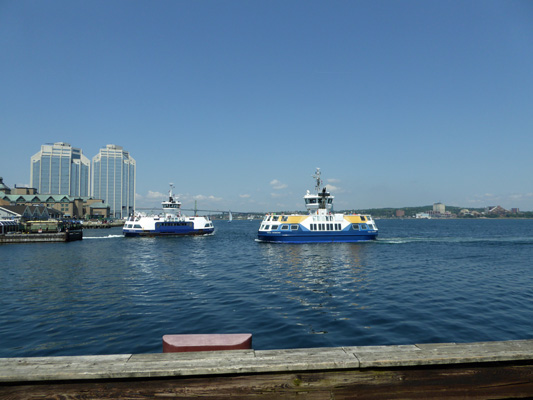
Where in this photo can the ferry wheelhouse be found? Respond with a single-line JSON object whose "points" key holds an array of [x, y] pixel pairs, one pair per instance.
{"points": [[321, 224], [170, 223]]}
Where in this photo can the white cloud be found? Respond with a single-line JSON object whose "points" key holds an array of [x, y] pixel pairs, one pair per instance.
{"points": [[210, 197], [155, 195], [521, 196], [277, 185], [244, 196], [275, 195], [333, 180]]}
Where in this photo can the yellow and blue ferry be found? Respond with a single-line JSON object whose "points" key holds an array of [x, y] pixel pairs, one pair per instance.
{"points": [[170, 223], [320, 225]]}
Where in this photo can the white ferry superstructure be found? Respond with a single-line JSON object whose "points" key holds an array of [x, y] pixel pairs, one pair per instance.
{"points": [[320, 225], [170, 223]]}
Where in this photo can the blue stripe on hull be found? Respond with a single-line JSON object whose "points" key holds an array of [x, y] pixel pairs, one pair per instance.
{"points": [[316, 237], [185, 231]]}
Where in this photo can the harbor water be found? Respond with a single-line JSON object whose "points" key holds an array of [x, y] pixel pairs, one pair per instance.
{"points": [[422, 281]]}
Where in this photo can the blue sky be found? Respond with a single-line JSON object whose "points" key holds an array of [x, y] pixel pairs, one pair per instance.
{"points": [[400, 103]]}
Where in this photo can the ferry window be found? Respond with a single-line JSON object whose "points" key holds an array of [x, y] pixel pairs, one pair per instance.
{"points": [[364, 227], [284, 218], [275, 218], [267, 227], [312, 201], [355, 227], [137, 226], [275, 227], [338, 227], [363, 218], [330, 201], [294, 227], [284, 227]]}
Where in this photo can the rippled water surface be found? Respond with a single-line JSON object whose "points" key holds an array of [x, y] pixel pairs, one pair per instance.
{"points": [[422, 281]]}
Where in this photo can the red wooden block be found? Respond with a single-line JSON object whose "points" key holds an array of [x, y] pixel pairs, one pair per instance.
{"points": [[206, 342]]}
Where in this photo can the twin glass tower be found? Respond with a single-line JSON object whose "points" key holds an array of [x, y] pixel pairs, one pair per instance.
{"points": [[60, 169]]}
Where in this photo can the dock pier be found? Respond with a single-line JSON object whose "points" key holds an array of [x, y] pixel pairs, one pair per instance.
{"points": [[494, 370], [42, 237]]}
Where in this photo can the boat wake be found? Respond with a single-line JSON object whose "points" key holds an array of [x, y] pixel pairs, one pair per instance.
{"points": [[462, 240], [103, 237]]}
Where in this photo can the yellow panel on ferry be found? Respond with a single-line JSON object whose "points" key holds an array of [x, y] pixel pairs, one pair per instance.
{"points": [[295, 219], [354, 219]]}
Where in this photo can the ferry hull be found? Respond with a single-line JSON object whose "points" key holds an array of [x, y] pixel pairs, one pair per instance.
{"points": [[188, 232], [276, 237]]}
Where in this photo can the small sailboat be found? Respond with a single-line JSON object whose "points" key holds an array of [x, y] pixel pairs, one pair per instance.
{"points": [[230, 217]]}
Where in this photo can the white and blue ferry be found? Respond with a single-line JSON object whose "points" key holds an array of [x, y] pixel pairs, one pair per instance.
{"points": [[320, 225], [170, 223]]}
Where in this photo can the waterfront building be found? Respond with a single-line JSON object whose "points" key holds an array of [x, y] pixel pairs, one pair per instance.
{"points": [[60, 169], [25, 212], [423, 215], [67, 206], [4, 189], [496, 210], [113, 180], [439, 208]]}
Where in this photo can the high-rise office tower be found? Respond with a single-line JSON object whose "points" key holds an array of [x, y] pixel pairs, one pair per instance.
{"points": [[113, 180], [60, 168]]}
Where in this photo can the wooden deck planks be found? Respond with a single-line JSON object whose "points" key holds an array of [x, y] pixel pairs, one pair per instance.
{"points": [[442, 370], [501, 382]]}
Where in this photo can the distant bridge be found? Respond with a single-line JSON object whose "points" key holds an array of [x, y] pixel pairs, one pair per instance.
{"points": [[196, 210]]}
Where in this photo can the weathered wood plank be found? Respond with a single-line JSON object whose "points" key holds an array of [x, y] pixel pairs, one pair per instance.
{"points": [[498, 381], [444, 353], [261, 361]]}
